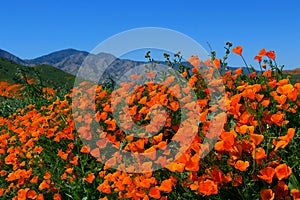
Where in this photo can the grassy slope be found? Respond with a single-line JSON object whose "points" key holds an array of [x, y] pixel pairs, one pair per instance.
{"points": [[51, 76]]}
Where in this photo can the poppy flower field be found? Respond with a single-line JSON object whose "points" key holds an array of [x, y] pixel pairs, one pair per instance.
{"points": [[255, 155]]}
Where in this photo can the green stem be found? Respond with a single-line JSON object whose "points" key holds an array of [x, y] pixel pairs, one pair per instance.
{"points": [[245, 64]]}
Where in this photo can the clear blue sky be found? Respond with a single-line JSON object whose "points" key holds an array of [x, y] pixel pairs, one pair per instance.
{"points": [[33, 28]]}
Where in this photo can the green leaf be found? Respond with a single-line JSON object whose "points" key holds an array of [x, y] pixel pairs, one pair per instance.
{"points": [[293, 182]]}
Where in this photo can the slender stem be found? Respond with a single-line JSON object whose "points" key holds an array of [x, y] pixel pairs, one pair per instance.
{"points": [[245, 63], [261, 71]]}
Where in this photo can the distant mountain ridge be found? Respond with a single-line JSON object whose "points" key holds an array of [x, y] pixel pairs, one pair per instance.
{"points": [[11, 57], [70, 60]]}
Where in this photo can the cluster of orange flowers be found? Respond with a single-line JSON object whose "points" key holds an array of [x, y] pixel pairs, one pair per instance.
{"points": [[44, 156]]}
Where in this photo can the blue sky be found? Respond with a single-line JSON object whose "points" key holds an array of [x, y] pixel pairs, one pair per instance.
{"points": [[33, 28]]}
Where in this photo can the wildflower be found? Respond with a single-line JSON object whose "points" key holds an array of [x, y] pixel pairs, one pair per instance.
{"points": [[44, 185], [283, 171], [271, 55], [267, 194], [154, 193], [166, 185], [57, 197], [295, 193], [194, 60], [89, 178], [284, 140], [208, 187], [22, 194], [267, 174], [238, 50], [241, 165], [262, 52], [31, 194], [258, 58]]}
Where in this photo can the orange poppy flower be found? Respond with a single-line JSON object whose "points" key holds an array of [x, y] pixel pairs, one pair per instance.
{"points": [[174, 105], [241, 165], [143, 100], [34, 179], [238, 50], [157, 138], [267, 194], [258, 58], [44, 185], [47, 175], [256, 138], [271, 55], [85, 149], [238, 71], [244, 128], [217, 63], [281, 190], [104, 187], [278, 118], [173, 167], [267, 174], [31, 194], [194, 60], [96, 153], [22, 194], [267, 73], [57, 197], [227, 141], [69, 170], [40, 197], [283, 171], [280, 99], [166, 185], [89, 178], [154, 193], [285, 140], [140, 144], [285, 89], [193, 163], [265, 102], [194, 186], [262, 52], [208, 187], [259, 153], [295, 193], [111, 124]]}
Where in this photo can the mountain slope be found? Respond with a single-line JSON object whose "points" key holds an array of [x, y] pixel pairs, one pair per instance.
{"points": [[68, 60], [11, 57], [51, 76]]}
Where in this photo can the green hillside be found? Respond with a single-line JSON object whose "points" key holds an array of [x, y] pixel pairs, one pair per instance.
{"points": [[50, 76]]}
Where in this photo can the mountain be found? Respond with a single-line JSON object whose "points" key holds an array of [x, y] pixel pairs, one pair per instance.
{"points": [[68, 60], [11, 57]]}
